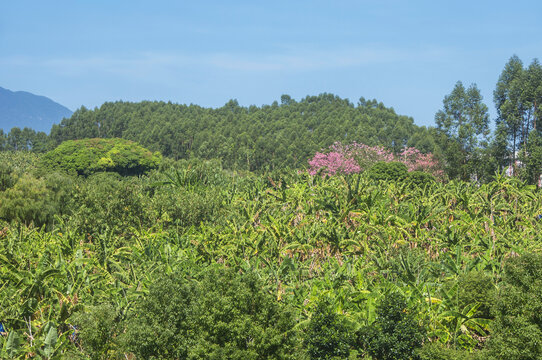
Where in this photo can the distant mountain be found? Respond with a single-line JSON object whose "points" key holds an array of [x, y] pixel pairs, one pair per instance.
{"points": [[23, 109]]}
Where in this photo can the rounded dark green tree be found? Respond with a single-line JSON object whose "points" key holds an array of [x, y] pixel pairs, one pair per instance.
{"points": [[388, 171], [395, 334]]}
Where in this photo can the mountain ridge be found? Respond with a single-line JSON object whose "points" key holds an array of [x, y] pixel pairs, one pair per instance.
{"points": [[25, 109]]}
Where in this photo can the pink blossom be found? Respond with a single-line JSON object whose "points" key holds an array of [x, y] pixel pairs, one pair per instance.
{"points": [[333, 163], [356, 157], [414, 159]]}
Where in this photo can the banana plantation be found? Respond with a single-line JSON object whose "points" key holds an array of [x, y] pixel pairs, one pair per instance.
{"points": [[192, 261]]}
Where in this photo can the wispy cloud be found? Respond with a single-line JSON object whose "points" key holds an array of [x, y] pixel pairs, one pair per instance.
{"points": [[295, 60], [311, 60]]}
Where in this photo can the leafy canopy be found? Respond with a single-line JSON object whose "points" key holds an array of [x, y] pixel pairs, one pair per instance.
{"points": [[218, 315], [88, 156]]}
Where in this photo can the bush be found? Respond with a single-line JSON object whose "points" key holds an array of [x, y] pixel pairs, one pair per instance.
{"points": [[224, 315], [7, 179], [27, 202], [97, 327], [32, 200], [420, 179], [19, 162], [186, 208], [106, 201], [88, 156], [435, 351], [327, 337], [517, 329], [476, 287], [388, 171], [395, 334]]}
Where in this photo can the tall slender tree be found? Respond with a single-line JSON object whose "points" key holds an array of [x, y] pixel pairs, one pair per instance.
{"points": [[533, 95], [518, 99], [463, 126], [507, 101]]}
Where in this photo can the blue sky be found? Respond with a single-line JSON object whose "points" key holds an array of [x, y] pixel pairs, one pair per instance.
{"points": [[407, 54]]}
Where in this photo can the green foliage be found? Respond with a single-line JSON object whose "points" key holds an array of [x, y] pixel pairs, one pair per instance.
{"points": [[19, 163], [395, 334], [222, 315], [464, 117], [327, 336], [7, 179], [195, 173], [517, 96], [463, 128], [27, 202], [420, 179], [106, 202], [532, 158], [24, 140], [88, 156], [435, 351], [61, 189], [517, 330], [388, 171], [189, 194], [184, 207], [117, 248], [476, 287], [96, 331], [10, 345], [249, 138]]}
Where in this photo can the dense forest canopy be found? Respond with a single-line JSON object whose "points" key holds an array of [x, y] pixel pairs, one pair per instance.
{"points": [[250, 138]]}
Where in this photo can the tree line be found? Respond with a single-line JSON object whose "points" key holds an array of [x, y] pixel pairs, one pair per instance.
{"points": [[288, 134], [463, 132], [249, 138]]}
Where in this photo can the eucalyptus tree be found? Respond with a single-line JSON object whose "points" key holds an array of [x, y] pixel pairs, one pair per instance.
{"points": [[463, 125], [518, 99]]}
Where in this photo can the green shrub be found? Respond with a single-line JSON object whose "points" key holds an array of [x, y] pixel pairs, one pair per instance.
{"points": [[404, 264], [106, 201], [27, 202], [476, 287], [96, 330], [88, 156], [327, 336], [32, 200], [220, 315], [18, 163], [7, 178], [517, 329], [388, 171], [196, 172], [395, 334], [186, 208], [420, 179], [436, 351]]}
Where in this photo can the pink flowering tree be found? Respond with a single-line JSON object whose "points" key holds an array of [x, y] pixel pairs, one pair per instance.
{"points": [[348, 159], [334, 163], [355, 158], [415, 160]]}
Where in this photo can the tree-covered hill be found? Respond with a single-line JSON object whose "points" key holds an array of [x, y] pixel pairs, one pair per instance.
{"points": [[250, 138]]}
